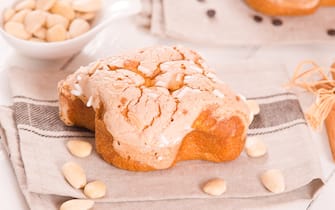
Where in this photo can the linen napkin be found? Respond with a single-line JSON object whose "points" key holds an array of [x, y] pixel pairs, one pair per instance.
{"points": [[233, 23], [36, 138]]}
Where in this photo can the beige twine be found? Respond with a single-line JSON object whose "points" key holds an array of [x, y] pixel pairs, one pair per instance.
{"points": [[323, 89]]}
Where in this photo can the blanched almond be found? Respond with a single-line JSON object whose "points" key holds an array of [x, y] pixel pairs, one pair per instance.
{"points": [[19, 17], [96, 189], [87, 5], [78, 27], [215, 187], [79, 148], [40, 33], [17, 30], [56, 33], [36, 40], [64, 9], [86, 15], [74, 175], [255, 147], [34, 20], [54, 19], [68, 36], [251, 118], [26, 4], [45, 4], [273, 180], [69, 2], [8, 14], [77, 204], [253, 106]]}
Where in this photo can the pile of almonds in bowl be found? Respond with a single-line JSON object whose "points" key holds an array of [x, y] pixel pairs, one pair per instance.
{"points": [[50, 20]]}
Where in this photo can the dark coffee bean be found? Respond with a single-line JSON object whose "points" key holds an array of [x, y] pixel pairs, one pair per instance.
{"points": [[277, 22], [211, 13], [258, 18], [331, 32]]}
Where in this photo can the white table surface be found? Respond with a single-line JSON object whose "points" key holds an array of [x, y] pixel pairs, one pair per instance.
{"points": [[128, 36]]}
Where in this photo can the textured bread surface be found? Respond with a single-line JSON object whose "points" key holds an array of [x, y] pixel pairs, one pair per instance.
{"points": [[288, 7], [154, 107]]}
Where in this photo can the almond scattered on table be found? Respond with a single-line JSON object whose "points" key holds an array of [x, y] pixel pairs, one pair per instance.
{"points": [[273, 180], [95, 189], [74, 175], [79, 148], [215, 187], [77, 204], [255, 147], [253, 106]]}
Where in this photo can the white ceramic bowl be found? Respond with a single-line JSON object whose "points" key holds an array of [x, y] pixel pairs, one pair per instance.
{"points": [[111, 11]]}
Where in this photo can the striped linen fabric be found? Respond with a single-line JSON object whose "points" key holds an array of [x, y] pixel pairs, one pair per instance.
{"points": [[35, 138]]}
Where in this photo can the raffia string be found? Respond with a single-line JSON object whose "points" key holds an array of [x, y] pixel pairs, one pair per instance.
{"points": [[323, 89]]}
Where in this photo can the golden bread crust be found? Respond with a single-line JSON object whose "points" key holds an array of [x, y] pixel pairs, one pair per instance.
{"points": [[155, 107], [211, 140], [73, 111], [286, 7]]}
